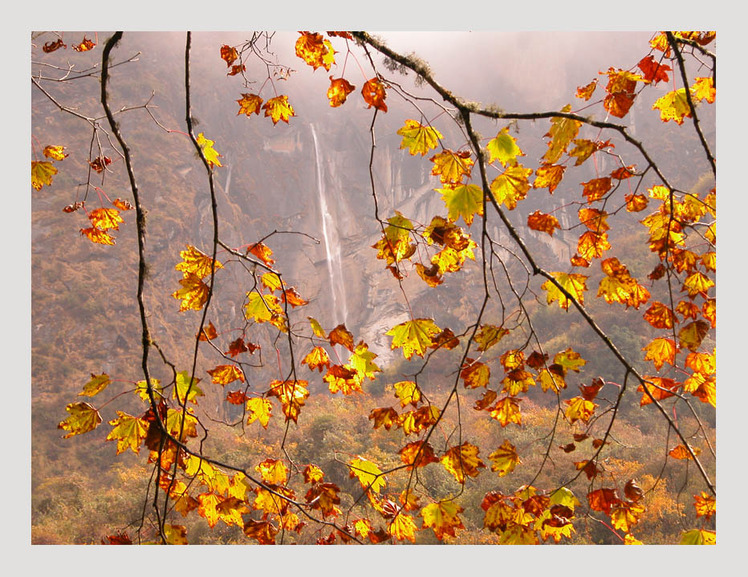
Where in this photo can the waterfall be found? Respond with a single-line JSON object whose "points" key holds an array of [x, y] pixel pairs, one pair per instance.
{"points": [[332, 243]]}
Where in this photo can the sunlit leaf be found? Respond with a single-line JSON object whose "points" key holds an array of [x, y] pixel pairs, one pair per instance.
{"points": [[414, 336], [562, 132], [462, 461], [367, 473], [698, 537], [673, 106], [511, 186], [443, 518], [451, 167], [186, 388], [211, 155], [549, 176], [259, 409], [193, 294], [83, 418], [574, 284], [225, 374], [315, 50], [278, 108], [292, 395], [95, 385], [504, 459], [503, 147], [338, 91], [374, 94], [507, 411], [417, 138], [249, 104], [128, 431], [543, 222]]}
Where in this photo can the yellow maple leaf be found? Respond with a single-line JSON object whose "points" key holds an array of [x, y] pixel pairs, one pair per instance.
{"points": [[451, 166], [462, 461], [503, 147], [367, 473], [698, 537], [128, 431], [549, 176], [42, 173], [317, 358], [83, 418], [211, 155], [54, 152], [579, 409], [249, 104], [705, 505], [562, 132], [443, 518], [703, 89], [504, 459], [265, 309], [574, 284], [273, 471], [463, 200], [279, 108], [511, 186], [417, 138], [475, 374], [673, 106], [292, 395], [259, 409], [193, 294], [402, 527], [186, 388], [507, 411], [659, 351], [95, 385], [414, 336]]}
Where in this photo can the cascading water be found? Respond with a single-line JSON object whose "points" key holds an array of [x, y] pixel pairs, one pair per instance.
{"points": [[332, 243]]}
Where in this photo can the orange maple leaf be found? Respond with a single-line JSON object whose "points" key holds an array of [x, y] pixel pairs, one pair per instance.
{"points": [[315, 50], [374, 94], [339, 90], [249, 103], [543, 222], [278, 108]]}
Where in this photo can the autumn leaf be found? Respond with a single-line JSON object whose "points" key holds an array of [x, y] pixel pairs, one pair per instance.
{"points": [[658, 387], [673, 106], [273, 471], [278, 108], [475, 374], [418, 420], [193, 294], [384, 417], [374, 94], [53, 45], [339, 90], [504, 459], [562, 132], [211, 155], [698, 537], [574, 284], [261, 251], [624, 515], [489, 335], [414, 336], [417, 454], [451, 167], [315, 50], [317, 328], [596, 188], [229, 54], [317, 358], [417, 138], [197, 262], [402, 527], [543, 222], [603, 500], [654, 71], [659, 351], [507, 411], [691, 335], [292, 395], [705, 505], [263, 532], [265, 309], [585, 92], [443, 518], [362, 361], [85, 45], [511, 186], [463, 200], [549, 176], [54, 152], [128, 431], [42, 173], [95, 385], [660, 316], [579, 409], [175, 534], [83, 418], [367, 473], [341, 336], [186, 388], [503, 147], [249, 104], [462, 461], [259, 409], [703, 89], [225, 374], [681, 452]]}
